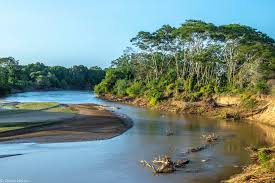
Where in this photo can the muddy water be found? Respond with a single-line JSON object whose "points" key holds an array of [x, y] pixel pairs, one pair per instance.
{"points": [[117, 159]]}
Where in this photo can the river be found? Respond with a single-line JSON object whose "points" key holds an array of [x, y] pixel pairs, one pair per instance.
{"points": [[117, 159]]}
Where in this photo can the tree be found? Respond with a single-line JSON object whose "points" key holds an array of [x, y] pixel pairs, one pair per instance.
{"points": [[195, 59]]}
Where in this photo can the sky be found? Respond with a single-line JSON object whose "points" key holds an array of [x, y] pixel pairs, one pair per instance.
{"points": [[95, 32]]}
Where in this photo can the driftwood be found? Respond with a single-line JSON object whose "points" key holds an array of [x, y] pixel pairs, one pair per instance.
{"points": [[197, 149], [210, 138], [257, 111], [169, 132], [181, 163], [164, 164]]}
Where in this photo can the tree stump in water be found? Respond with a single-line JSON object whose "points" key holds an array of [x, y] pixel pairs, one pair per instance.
{"points": [[210, 138], [164, 164]]}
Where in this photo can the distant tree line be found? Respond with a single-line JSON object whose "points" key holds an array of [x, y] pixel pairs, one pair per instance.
{"points": [[192, 61], [37, 76]]}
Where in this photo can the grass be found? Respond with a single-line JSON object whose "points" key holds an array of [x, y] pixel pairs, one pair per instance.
{"points": [[262, 171], [22, 107], [36, 105], [62, 109], [4, 127], [265, 156]]}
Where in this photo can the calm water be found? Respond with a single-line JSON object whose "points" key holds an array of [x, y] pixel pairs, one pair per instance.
{"points": [[117, 159]]}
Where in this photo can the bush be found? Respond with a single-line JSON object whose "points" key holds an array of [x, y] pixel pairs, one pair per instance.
{"points": [[155, 97], [189, 84], [120, 87], [262, 87], [170, 89], [248, 101], [180, 85], [207, 90], [134, 90], [264, 157], [194, 97], [101, 88]]}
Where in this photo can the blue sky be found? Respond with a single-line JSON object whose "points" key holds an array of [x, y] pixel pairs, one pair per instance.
{"points": [[94, 32]]}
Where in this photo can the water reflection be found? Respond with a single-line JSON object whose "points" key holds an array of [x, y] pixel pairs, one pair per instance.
{"points": [[117, 159]]}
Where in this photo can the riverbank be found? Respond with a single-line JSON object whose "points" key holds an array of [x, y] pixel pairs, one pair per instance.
{"points": [[231, 108], [260, 109], [59, 123], [261, 171]]}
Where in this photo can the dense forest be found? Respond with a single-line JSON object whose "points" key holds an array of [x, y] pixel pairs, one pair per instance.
{"points": [[37, 76], [192, 61]]}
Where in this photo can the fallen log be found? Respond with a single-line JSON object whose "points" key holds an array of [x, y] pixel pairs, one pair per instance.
{"points": [[197, 149], [210, 138], [169, 133], [181, 163], [164, 164]]}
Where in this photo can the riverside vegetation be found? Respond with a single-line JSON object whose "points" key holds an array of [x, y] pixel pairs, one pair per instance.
{"points": [[192, 61], [188, 69], [15, 77], [182, 69]]}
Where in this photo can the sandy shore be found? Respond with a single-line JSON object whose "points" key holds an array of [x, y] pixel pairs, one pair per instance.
{"points": [[92, 122]]}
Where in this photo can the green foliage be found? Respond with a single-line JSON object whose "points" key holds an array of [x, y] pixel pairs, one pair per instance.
{"points": [[101, 88], [120, 87], [171, 88], [207, 90], [262, 87], [38, 76], [154, 97], [248, 101], [196, 96], [135, 89], [264, 157], [194, 60], [36, 105]]}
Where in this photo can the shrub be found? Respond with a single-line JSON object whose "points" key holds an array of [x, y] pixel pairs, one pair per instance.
{"points": [[196, 96], [189, 84], [134, 90], [264, 157], [170, 89], [262, 87], [248, 101], [207, 90], [180, 85], [101, 88], [120, 87], [155, 97]]}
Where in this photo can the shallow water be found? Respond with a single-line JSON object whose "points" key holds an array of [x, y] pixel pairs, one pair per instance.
{"points": [[117, 159]]}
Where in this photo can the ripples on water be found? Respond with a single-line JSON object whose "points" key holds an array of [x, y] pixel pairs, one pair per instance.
{"points": [[117, 159]]}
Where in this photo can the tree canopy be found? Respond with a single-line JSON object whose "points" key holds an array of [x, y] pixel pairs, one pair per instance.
{"points": [[191, 61], [39, 76]]}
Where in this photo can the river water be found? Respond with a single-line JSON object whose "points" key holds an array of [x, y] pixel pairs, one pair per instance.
{"points": [[117, 159]]}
